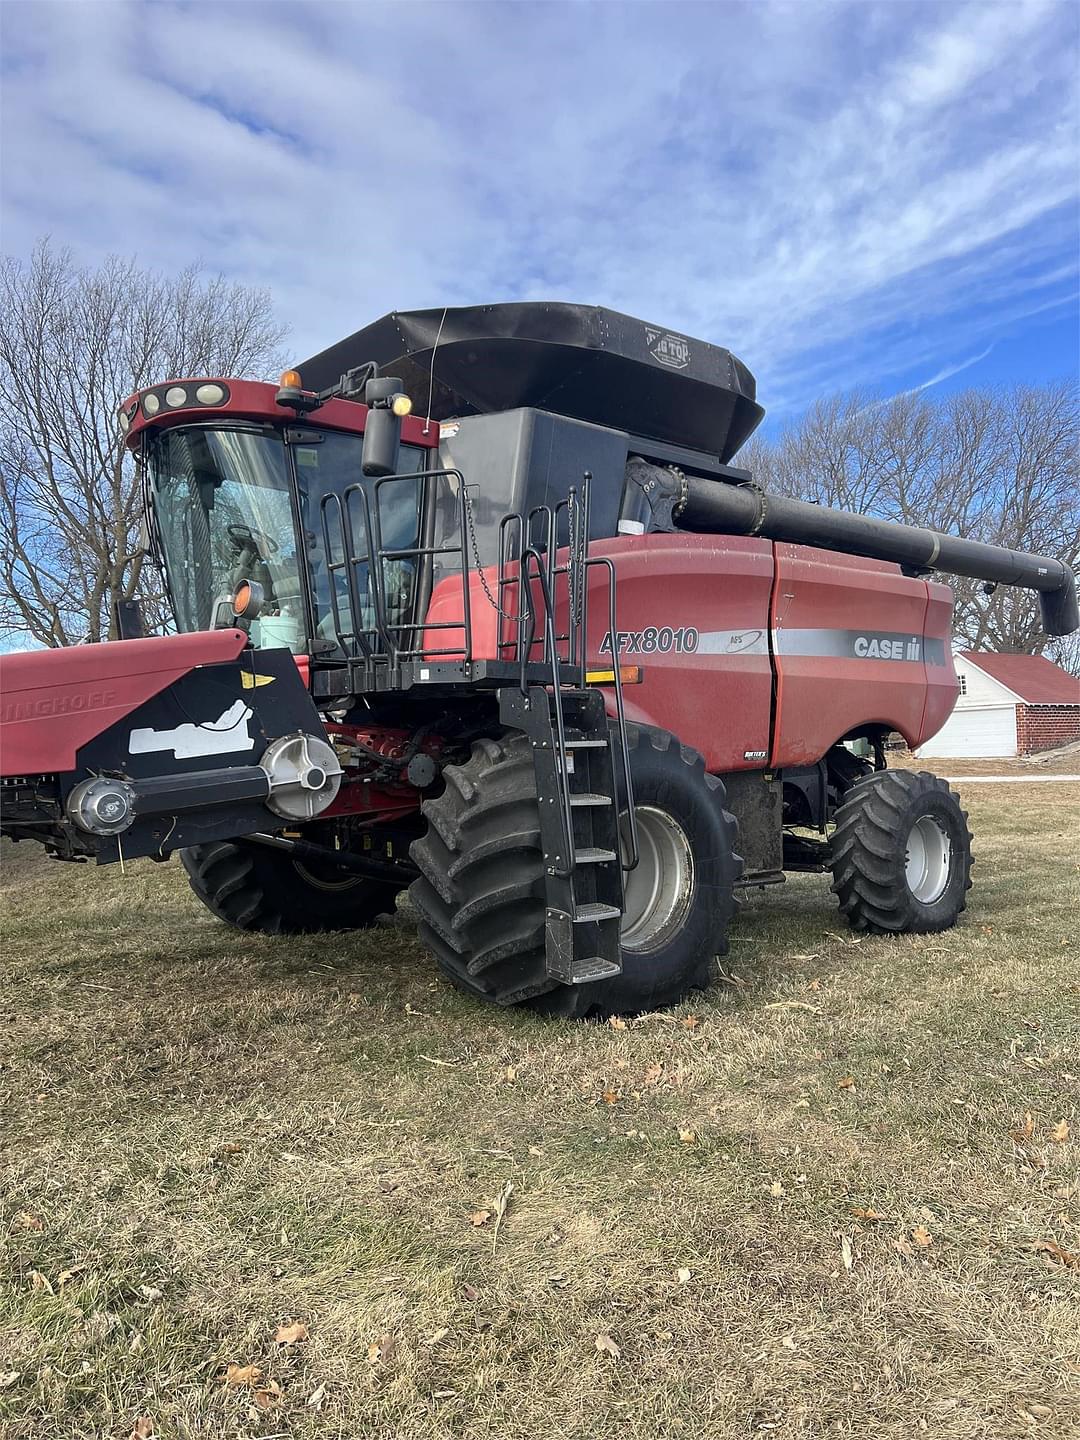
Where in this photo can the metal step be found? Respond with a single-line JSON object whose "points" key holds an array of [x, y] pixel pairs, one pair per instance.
{"points": [[586, 798], [596, 911], [575, 743], [592, 968], [593, 855]]}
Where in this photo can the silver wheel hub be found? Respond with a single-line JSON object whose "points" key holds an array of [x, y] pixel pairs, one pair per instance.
{"points": [[928, 860], [658, 891]]}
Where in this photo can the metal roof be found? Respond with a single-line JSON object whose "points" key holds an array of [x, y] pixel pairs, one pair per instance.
{"points": [[1035, 679]]}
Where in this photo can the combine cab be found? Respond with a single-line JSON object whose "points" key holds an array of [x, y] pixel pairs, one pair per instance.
{"points": [[542, 655]]}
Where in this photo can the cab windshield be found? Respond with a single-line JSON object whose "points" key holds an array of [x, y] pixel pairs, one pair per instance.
{"points": [[224, 507]]}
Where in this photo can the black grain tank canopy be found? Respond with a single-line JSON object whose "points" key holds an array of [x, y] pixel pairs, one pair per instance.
{"points": [[575, 360]]}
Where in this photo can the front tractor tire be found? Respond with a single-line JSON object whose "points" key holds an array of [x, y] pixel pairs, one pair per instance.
{"points": [[901, 854], [253, 887], [481, 895]]}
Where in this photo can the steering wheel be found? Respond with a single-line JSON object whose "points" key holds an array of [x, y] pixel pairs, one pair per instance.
{"points": [[243, 534]]}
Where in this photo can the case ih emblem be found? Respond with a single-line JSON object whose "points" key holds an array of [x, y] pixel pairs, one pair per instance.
{"points": [[670, 350]]}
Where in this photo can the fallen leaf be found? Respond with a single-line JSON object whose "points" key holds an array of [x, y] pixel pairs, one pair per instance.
{"points": [[470, 1292], [789, 1342], [688, 1136], [606, 1345], [510, 1073], [777, 1189], [653, 1073], [922, 1237], [903, 1245], [38, 1281], [438, 1335], [1023, 1133], [291, 1334], [230, 1147], [502, 1200], [691, 1022], [267, 1396], [381, 1350], [846, 1082], [861, 1214], [151, 1293], [25, 1221], [846, 1253], [617, 1022], [1054, 1251], [143, 1429], [243, 1374], [536, 1152], [1060, 1133], [317, 1396], [683, 1275], [610, 1097], [480, 1217], [66, 1275]]}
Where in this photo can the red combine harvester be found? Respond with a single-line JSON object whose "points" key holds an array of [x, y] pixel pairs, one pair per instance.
{"points": [[544, 656]]}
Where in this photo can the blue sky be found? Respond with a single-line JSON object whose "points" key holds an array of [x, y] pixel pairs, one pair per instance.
{"points": [[844, 194]]}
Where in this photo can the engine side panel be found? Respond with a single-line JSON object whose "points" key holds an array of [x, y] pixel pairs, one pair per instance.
{"points": [[693, 612], [856, 643]]}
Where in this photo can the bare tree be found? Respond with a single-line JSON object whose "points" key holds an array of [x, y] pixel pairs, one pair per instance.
{"points": [[74, 343], [998, 465]]}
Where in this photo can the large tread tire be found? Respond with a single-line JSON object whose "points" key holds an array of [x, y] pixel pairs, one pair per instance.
{"points": [[481, 895], [870, 849], [254, 888]]}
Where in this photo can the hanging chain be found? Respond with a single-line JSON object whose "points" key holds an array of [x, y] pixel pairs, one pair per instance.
{"points": [[474, 543], [575, 579]]}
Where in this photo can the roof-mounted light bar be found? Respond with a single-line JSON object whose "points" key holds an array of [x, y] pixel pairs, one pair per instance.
{"points": [[179, 395]]}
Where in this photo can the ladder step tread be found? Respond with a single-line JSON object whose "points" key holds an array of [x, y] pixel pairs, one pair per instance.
{"points": [[595, 911], [581, 743], [591, 968], [587, 798], [594, 855]]}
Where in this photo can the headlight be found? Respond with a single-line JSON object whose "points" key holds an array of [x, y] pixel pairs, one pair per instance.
{"points": [[176, 396], [210, 394], [151, 404]]}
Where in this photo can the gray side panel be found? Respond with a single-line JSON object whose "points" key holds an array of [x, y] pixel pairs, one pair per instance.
{"points": [[523, 458]]}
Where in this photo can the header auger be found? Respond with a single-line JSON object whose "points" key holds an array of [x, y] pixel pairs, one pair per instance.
{"points": [[475, 603]]}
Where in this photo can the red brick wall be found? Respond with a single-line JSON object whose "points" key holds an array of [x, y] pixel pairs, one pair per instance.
{"points": [[1044, 727]]}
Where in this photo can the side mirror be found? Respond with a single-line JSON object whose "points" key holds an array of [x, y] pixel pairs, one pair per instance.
{"points": [[387, 406]]}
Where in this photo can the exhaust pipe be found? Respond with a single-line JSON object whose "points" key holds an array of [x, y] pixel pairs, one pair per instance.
{"points": [[712, 507]]}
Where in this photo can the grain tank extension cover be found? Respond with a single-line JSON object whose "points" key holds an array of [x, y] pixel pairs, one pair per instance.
{"points": [[576, 360]]}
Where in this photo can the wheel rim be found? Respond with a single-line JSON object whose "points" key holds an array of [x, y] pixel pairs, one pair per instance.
{"points": [[928, 860], [659, 889]]}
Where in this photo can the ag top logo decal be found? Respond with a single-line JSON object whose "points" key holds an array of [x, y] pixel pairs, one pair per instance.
{"points": [[671, 350]]}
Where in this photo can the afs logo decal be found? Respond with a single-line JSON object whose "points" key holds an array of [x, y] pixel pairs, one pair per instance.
{"points": [[671, 350]]}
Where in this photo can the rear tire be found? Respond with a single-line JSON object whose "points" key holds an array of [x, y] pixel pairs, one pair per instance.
{"points": [[481, 895], [255, 888], [901, 854]]}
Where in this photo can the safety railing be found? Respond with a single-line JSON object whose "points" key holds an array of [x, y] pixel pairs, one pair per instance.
{"points": [[531, 579]]}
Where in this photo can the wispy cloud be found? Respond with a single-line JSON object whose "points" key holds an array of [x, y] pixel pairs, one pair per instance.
{"points": [[843, 193]]}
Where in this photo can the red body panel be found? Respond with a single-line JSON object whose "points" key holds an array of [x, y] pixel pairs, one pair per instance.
{"points": [[823, 603], [693, 613], [755, 654], [55, 701]]}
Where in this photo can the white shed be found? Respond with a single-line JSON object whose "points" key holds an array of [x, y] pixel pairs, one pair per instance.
{"points": [[1008, 705]]}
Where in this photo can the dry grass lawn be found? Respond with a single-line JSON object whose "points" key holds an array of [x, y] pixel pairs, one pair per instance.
{"points": [[834, 1195]]}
